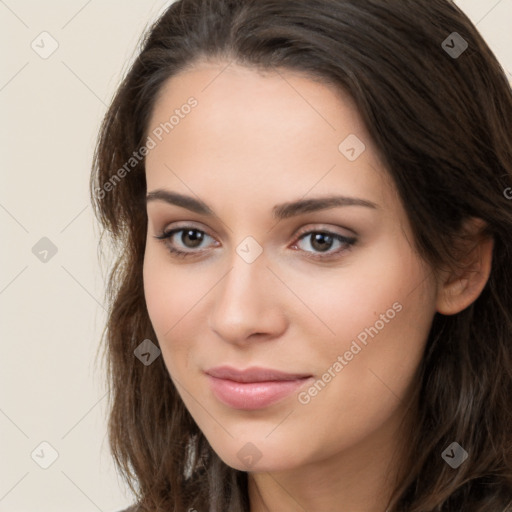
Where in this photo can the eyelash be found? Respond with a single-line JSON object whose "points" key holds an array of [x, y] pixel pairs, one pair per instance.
{"points": [[347, 241]]}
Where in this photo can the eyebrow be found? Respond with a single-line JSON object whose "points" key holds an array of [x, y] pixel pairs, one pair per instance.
{"points": [[279, 211]]}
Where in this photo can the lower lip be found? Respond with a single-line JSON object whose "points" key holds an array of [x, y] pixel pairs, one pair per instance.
{"points": [[253, 395]]}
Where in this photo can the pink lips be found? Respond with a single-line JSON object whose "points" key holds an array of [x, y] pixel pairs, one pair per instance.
{"points": [[253, 388]]}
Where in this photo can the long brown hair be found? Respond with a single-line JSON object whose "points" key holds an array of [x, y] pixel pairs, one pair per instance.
{"points": [[439, 109]]}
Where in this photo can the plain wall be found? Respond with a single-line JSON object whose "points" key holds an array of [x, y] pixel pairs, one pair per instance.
{"points": [[51, 386]]}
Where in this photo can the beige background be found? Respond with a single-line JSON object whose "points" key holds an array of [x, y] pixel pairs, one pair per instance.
{"points": [[51, 389]]}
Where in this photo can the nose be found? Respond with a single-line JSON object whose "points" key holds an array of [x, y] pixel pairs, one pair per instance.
{"points": [[247, 304]]}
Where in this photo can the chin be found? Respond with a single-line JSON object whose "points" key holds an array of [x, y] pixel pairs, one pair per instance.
{"points": [[258, 456]]}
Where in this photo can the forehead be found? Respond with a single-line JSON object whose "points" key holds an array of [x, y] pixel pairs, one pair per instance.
{"points": [[242, 101], [275, 133]]}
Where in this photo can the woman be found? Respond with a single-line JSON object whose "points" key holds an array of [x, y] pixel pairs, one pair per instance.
{"points": [[311, 307]]}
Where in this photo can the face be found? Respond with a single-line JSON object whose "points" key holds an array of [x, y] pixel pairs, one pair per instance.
{"points": [[331, 294]]}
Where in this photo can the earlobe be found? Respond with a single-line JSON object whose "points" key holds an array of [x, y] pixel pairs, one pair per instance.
{"points": [[459, 289]]}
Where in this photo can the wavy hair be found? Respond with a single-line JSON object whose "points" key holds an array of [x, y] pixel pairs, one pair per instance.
{"points": [[442, 124]]}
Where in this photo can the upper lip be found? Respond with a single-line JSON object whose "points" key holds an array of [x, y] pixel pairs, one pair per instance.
{"points": [[253, 374]]}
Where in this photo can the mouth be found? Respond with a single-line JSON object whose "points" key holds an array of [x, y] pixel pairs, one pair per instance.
{"points": [[255, 387]]}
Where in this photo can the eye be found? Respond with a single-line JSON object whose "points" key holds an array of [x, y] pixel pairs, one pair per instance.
{"points": [[190, 238], [323, 241]]}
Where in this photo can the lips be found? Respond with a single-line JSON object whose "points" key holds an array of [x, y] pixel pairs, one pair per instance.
{"points": [[254, 374], [253, 388]]}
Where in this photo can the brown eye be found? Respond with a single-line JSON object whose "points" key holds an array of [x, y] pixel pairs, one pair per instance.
{"points": [[191, 238], [322, 242]]}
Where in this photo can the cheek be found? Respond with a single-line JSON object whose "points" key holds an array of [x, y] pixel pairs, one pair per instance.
{"points": [[384, 292], [381, 315], [169, 297], [175, 297]]}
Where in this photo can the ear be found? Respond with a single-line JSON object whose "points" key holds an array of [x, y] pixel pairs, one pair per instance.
{"points": [[459, 288]]}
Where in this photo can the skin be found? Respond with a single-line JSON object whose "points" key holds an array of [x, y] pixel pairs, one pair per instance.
{"points": [[254, 141]]}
